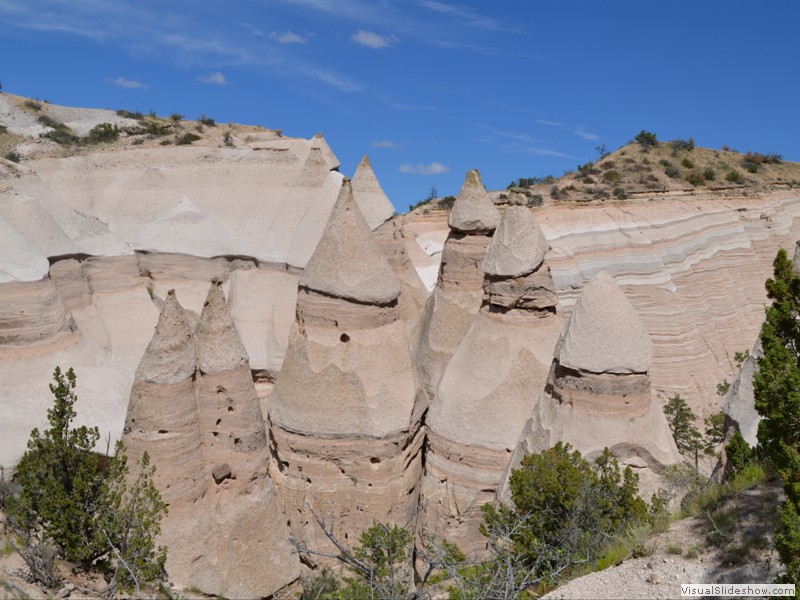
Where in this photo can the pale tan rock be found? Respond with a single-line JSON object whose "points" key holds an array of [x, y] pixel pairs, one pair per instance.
{"points": [[489, 388], [346, 391], [605, 334], [32, 312], [518, 246], [332, 269], [242, 505], [369, 195], [170, 356], [473, 210], [163, 420], [319, 141], [608, 408]]}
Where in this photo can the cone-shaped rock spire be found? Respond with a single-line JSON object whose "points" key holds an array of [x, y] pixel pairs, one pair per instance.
{"points": [[518, 246], [219, 347], [314, 171], [332, 269], [169, 357], [319, 141], [369, 195], [473, 210], [605, 334]]}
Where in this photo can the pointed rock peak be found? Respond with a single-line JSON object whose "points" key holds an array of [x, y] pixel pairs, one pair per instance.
{"points": [[518, 246], [604, 333], [170, 356], [314, 171], [348, 263], [219, 347], [473, 210], [369, 195], [319, 141]]}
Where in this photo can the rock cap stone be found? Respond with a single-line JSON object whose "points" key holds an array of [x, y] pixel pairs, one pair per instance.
{"points": [[604, 333], [473, 210], [369, 195], [348, 263], [170, 356], [219, 347], [518, 246]]}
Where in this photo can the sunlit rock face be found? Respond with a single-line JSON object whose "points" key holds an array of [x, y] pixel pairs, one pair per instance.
{"points": [[459, 289], [598, 393], [194, 410], [491, 383], [341, 410]]}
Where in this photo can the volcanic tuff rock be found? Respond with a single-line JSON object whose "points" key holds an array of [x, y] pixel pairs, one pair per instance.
{"points": [[459, 289], [490, 386], [163, 420], [378, 211], [195, 410], [252, 555], [346, 390], [595, 402]]}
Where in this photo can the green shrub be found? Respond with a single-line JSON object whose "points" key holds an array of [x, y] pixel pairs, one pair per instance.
{"points": [[104, 132], [81, 502], [734, 176], [678, 144], [12, 156], [571, 508], [186, 139], [176, 117], [647, 139], [34, 105], [709, 174], [130, 115], [3, 129], [207, 121], [687, 162], [695, 178], [672, 172], [611, 176], [739, 455], [620, 193], [228, 139]]}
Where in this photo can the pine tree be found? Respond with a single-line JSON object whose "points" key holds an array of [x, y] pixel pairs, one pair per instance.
{"points": [[82, 503], [777, 398]]}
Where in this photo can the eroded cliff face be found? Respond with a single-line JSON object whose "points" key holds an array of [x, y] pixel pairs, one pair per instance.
{"points": [[382, 393]]}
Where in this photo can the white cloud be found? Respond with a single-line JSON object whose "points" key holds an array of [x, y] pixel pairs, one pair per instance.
{"points": [[466, 15], [586, 135], [216, 78], [131, 84], [434, 168], [287, 37], [373, 40], [384, 144]]}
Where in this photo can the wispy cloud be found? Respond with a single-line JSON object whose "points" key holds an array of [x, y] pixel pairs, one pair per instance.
{"points": [[434, 168], [581, 133], [385, 144], [216, 78], [337, 80], [372, 39], [463, 14], [579, 130], [287, 37], [130, 84]]}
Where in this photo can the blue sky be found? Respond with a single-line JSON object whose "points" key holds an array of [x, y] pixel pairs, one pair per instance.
{"points": [[429, 88]]}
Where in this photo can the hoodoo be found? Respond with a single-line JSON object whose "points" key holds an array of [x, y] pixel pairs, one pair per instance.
{"points": [[598, 392], [163, 420], [340, 412], [253, 555], [378, 212], [492, 382], [459, 288]]}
